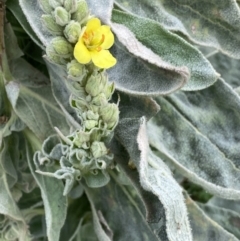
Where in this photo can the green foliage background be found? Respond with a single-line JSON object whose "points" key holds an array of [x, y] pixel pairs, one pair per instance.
{"points": [[177, 144]]}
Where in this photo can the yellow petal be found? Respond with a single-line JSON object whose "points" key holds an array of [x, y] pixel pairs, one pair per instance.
{"points": [[108, 36], [103, 59], [81, 53], [93, 24]]}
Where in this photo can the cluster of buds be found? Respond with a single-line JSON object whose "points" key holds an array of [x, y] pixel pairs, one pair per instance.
{"points": [[83, 153], [63, 19]]}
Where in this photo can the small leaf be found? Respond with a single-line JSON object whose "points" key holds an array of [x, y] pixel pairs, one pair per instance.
{"points": [[211, 23], [55, 203], [168, 46]]}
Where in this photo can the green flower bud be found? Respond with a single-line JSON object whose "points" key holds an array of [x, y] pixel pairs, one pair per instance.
{"points": [[62, 17], [55, 3], [72, 31], [53, 57], [45, 6], [99, 100], [98, 149], [51, 25], [108, 91], [90, 124], [92, 116], [62, 47], [82, 11], [70, 5], [110, 114], [76, 69], [81, 138], [96, 84]]}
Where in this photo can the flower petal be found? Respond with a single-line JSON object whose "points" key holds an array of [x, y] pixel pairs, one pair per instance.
{"points": [[81, 53], [108, 36], [103, 59], [93, 24]]}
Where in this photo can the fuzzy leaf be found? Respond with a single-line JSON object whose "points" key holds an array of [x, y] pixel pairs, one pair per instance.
{"points": [[228, 68], [33, 102], [210, 23], [55, 203], [201, 142], [16, 10], [101, 9], [121, 213], [228, 219], [33, 13], [168, 46], [154, 175], [204, 228]]}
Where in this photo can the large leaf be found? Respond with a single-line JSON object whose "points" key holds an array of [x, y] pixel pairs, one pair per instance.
{"points": [[203, 227], [55, 203], [211, 23], [168, 46], [154, 175], [32, 100], [116, 206], [194, 141], [228, 219]]}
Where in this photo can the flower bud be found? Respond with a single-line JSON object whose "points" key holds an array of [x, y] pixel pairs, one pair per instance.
{"points": [[45, 6], [55, 3], [80, 138], [72, 31], [53, 57], [82, 11], [96, 84], [76, 69], [51, 25], [62, 17], [92, 116], [110, 114], [70, 5], [90, 124], [99, 100], [98, 149], [108, 91], [62, 47]]}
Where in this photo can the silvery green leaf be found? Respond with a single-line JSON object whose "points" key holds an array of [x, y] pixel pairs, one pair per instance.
{"points": [[136, 75], [101, 9], [55, 203], [118, 209], [203, 227], [228, 68], [32, 100], [226, 218], [61, 91], [33, 13], [210, 23], [226, 204], [15, 8], [133, 30], [154, 175], [190, 132], [76, 211]]}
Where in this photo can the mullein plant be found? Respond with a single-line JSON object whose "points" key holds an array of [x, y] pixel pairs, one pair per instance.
{"points": [[132, 103], [80, 45]]}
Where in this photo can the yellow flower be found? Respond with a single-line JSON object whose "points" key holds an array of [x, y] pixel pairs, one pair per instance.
{"points": [[93, 44]]}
